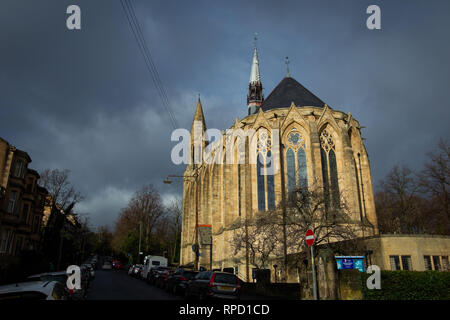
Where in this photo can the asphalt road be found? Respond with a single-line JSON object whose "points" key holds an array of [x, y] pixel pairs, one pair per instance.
{"points": [[118, 285]]}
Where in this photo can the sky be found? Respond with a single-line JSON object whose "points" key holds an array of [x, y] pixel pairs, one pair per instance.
{"points": [[83, 100]]}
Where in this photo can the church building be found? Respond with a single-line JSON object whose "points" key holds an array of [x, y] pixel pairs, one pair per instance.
{"points": [[317, 144]]}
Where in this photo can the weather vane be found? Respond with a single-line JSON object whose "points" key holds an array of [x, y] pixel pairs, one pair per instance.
{"points": [[255, 38], [287, 67]]}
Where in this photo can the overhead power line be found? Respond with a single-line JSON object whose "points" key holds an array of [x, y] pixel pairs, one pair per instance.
{"points": [[135, 27]]}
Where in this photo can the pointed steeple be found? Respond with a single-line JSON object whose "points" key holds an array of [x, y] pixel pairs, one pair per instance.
{"points": [[198, 137], [255, 97], [254, 74], [198, 116]]}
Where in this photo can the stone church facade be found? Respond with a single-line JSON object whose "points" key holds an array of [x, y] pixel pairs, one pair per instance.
{"points": [[317, 145]]}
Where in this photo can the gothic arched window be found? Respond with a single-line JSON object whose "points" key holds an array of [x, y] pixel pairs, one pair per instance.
{"points": [[239, 189], [329, 168], [296, 168], [240, 159], [265, 174]]}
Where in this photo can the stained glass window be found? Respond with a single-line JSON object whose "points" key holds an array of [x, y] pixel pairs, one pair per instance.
{"points": [[329, 168], [239, 189], [296, 168], [265, 178], [270, 184], [261, 187], [290, 168], [301, 165]]}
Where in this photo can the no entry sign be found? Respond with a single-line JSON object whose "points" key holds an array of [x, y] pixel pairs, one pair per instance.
{"points": [[309, 237]]}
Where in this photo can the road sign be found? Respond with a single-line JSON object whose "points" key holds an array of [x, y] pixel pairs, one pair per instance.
{"points": [[309, 237], [350, 262]]}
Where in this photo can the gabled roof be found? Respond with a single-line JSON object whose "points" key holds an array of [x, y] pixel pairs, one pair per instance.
{"points": [[288, 91]]}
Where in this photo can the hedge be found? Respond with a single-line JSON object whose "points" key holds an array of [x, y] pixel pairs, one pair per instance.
{"points": [[409, 285]]}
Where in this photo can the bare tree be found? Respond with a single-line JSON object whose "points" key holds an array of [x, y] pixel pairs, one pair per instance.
{"points": [[304, 209], [434, 181], [175, 221], [61, 190], [327, 216], [398, 202], [144, 208], [259, 236]]}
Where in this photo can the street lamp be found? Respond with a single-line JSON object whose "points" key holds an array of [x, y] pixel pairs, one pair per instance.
{"points": [[195, 176]]}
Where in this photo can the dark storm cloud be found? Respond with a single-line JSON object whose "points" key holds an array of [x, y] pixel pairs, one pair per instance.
{"points": [[83, 100]]}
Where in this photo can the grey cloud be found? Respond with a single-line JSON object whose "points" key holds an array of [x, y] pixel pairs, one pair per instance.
{"points": [[84, 101]]}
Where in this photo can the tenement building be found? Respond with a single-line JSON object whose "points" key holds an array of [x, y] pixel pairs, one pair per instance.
{"points": [[307, 142], [22, 203]]}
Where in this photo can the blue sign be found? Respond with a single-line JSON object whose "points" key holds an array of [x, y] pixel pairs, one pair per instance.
{"points": [[350, 262]]}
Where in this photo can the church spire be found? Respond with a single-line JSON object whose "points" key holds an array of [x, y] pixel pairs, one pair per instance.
{"points": [[198, 136], [255, 96], [198, 116]]}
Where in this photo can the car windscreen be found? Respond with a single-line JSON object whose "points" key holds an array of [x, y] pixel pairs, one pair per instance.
{"points": [[156, 263], [225, 278]]}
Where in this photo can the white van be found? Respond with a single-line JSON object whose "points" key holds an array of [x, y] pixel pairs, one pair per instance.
{"points": [[152, 262]]}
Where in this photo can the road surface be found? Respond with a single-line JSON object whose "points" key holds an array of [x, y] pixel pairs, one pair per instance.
{"points": [[118, 285]]}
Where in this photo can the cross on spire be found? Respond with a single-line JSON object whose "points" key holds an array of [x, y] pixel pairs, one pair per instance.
{"points": [[288, 75]]}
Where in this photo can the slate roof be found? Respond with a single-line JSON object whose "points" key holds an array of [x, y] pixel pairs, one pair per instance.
{"points": [[287, 91]]}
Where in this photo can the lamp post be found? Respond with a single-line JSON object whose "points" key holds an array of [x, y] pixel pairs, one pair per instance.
{"points": [[195, 176]]}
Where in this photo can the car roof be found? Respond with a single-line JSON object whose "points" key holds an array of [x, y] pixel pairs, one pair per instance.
{"points": [[57, 273], [41, 286]]}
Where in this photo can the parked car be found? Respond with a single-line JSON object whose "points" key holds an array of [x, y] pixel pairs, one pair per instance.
{"points": [[161, 279], [34, 290], [178, 280], [61, 277], [154, 274], [107, 265], [209, 284], [116, 264], [90, 268], [130, 269], [136, 272]]}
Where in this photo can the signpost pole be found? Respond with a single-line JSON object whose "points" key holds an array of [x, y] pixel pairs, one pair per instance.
{"points": [[309, 239], [313, 274]]}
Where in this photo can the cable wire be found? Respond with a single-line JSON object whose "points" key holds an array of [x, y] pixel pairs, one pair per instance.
{"points": [[135, 27]]}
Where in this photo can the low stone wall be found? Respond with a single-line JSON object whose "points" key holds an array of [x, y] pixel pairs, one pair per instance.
{"points": [[349, 284], [289, 291]]}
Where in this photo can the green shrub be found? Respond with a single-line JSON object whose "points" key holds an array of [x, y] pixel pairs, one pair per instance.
{"points": [[409, 285]]}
